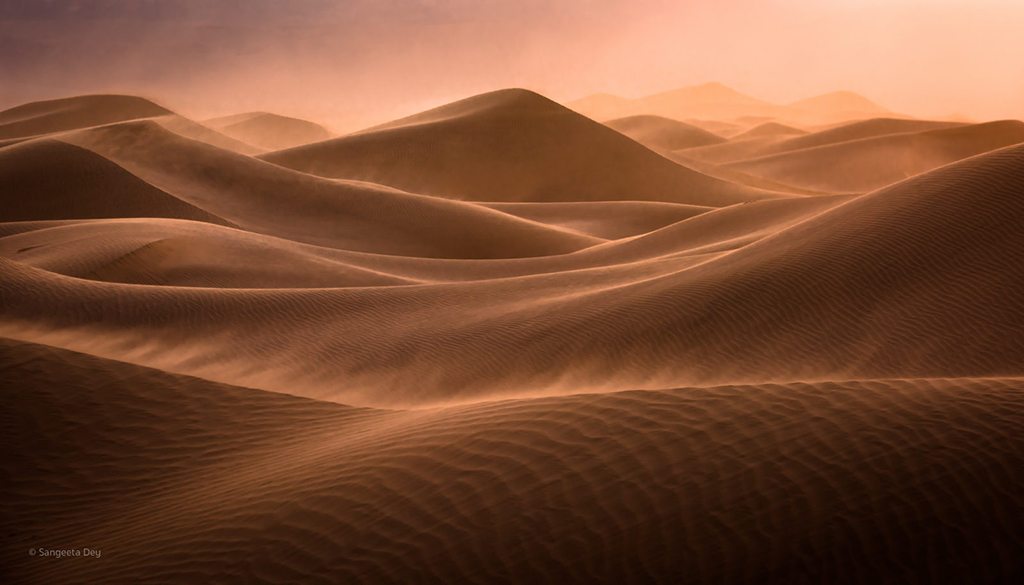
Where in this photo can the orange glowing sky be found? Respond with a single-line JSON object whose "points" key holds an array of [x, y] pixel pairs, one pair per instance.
{"points": [[352, 63]]}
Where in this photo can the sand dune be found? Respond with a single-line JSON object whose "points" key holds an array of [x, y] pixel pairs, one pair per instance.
{"points": [[51, 179], [246, 192], [498, 342], [76, 112], [774, 138], [829, 482], [195, 131], [714, 101], [862, 129], [661, 133], [841, 105], [769, 129], [179, 253], [269, 131], [870, 163], [510, 145], [604, 219], [794, 284]]}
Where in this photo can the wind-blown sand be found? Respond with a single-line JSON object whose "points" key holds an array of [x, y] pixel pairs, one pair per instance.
{"points": [[501, 342]]}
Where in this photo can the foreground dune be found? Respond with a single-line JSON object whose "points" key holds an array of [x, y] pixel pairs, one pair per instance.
{"points": [[498, 342], [832, 482]]}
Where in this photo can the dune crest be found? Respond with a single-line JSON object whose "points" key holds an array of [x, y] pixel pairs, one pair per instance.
{"points": [[508, 146]]}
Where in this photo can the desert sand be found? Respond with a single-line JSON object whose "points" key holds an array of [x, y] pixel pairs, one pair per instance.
{"points": [[712, 340]]}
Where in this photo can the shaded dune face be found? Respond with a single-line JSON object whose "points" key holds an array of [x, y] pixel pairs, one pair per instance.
{"points": [[501, 342], [798, 483]]}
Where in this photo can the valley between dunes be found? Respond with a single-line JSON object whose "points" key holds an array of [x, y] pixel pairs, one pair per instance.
{"points": [[500, 342]]}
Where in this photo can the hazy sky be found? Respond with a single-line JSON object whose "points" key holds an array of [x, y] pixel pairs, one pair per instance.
{"points": [[350, 63]]}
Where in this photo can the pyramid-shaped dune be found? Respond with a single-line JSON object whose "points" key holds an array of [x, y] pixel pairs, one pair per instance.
{"points": [[510, 145]]}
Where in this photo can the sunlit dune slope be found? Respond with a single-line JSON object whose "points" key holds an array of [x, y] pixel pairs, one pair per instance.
{"points": [[510, 145]]}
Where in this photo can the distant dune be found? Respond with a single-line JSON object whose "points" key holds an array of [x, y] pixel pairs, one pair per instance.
{"points": [[662, 133], [77, 112], [870, 163], [714, 101], [270, 131], [501, 342], [773, 129], [773, 138]]}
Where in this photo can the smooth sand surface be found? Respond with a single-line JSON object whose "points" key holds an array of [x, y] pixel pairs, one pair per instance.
{"points": [[661, 133], [499, 342], [269, 131]]}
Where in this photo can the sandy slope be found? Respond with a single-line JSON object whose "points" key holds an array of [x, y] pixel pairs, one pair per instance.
{"points": [[804, 483], [142, 156], [510, 145], [669, 308], [269, 131], [870, 163], [76, 112], [772, 138], [770, 129], [602, 366], [663, 133]]}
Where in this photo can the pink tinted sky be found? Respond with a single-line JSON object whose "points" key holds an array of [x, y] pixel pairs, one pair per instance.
{"points": [[356, 62]]}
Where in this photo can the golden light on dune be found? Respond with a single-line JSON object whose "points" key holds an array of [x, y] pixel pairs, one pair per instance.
{"points": [[463, 291]]}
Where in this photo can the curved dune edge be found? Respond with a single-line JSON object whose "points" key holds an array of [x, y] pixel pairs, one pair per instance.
{"points": [[191, 180], [511, 146], [919, 280], [836, 482]]}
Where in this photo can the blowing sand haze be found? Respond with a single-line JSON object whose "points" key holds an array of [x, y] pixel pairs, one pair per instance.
{"points": [[258, 328]]}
